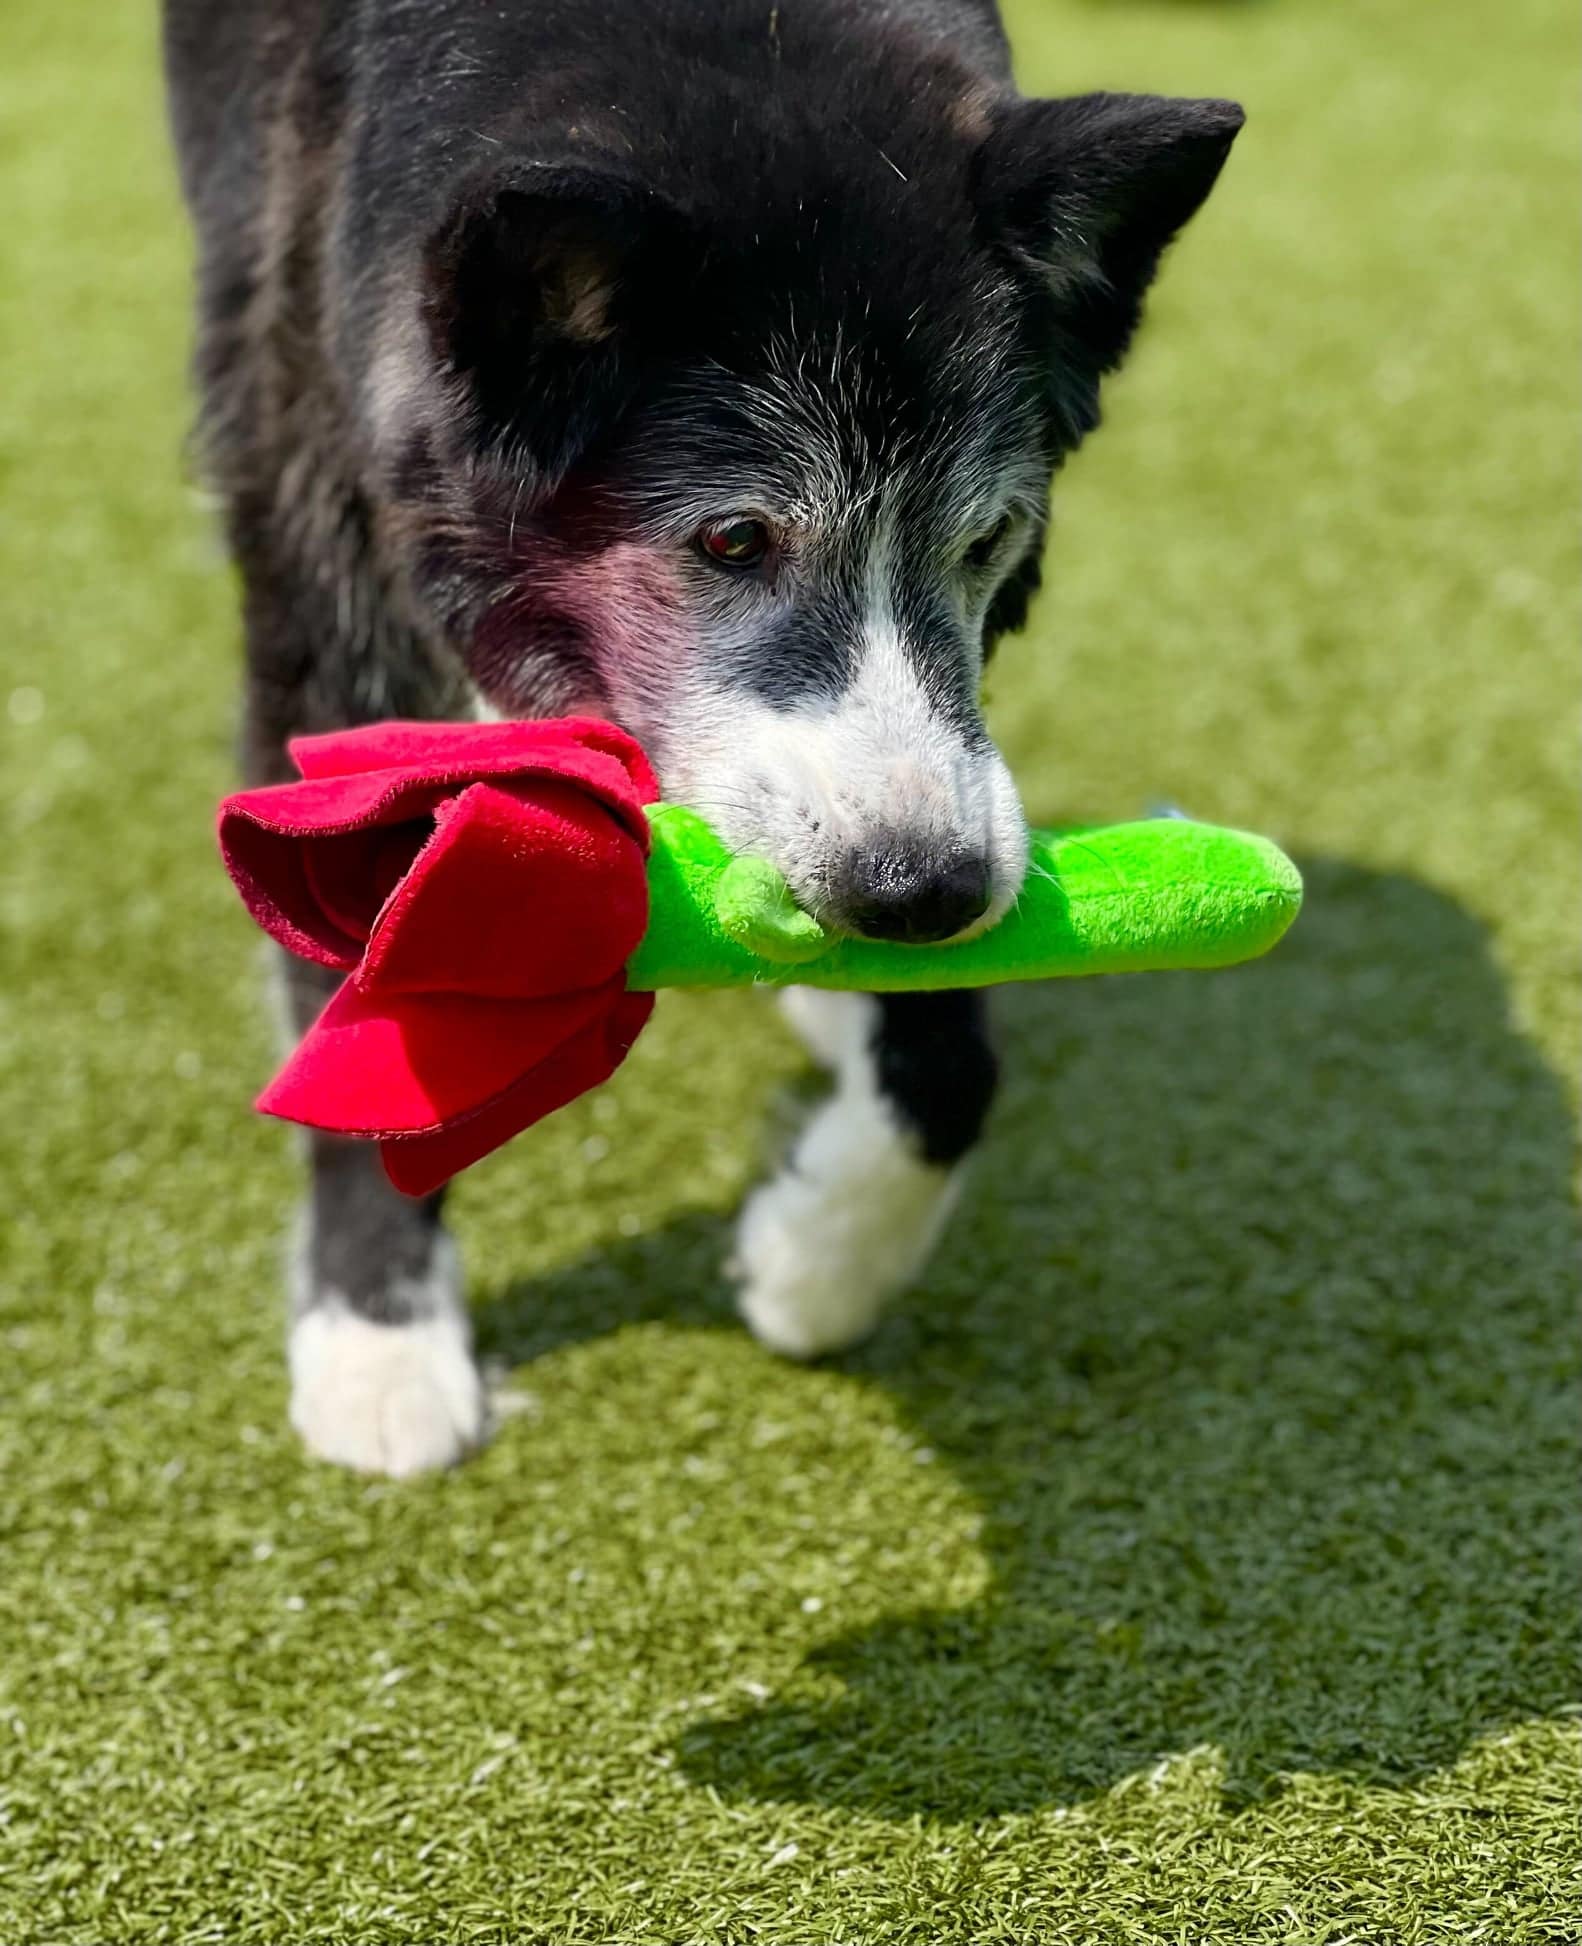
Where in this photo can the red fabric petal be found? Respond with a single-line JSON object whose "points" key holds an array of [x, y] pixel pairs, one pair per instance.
{"points": [[351, 874], [420, 1164], [309, 857], [585, 747], [485, 885], [514, 895], [410, 1064]]}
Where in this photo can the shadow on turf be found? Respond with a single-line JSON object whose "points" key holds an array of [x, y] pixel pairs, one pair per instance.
{"points": [[1251, 1343]]}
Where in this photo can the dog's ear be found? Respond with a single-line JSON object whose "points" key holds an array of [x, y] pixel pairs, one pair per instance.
{"points": [[1087, 192], [534, 297]]}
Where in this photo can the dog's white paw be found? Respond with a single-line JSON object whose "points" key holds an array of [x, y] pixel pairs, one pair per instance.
{"points": [[823, 1248], [385, 1398]]}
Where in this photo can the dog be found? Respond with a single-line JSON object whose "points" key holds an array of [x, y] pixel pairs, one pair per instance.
{"points": [[702, 364]]}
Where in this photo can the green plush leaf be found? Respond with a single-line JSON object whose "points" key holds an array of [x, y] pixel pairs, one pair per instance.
{"points": [[1156, 895], [756, 908]]}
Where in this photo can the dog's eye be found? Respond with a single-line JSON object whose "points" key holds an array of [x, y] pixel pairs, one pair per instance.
{"points": [[983, 550], [740, 543]]}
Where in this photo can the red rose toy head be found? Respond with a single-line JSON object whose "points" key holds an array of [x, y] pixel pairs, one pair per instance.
{"points": [[484, 887]]}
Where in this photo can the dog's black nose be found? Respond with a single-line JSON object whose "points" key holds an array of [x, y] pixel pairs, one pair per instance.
{"points": [[896, 891]]}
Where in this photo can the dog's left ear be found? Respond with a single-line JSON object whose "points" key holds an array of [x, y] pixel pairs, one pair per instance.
{"points": [[1087, 192], [539, 288]]}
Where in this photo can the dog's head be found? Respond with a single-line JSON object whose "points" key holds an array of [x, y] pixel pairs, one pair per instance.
{"points": [[744, 436]]}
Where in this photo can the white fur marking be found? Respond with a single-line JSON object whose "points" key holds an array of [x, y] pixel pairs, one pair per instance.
{"points": [[396, 1399], [852, 1218], [805, 786], [830, 1025]]}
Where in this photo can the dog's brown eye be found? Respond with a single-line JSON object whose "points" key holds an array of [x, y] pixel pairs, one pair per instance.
{"points": [[735, 543], [983, 550]]}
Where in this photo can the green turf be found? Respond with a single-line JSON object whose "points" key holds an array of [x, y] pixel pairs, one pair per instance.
{"points": [[1193, 1558]]}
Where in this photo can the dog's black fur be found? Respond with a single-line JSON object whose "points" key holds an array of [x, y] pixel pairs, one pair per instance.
{"points": [[489, 296]]}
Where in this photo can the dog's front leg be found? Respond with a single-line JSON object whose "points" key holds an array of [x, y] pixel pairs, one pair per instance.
{"points": [[382, 1372], [861, 1201]]}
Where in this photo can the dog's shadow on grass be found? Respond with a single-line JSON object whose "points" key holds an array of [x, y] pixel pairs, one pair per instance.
{"points": [[1252, 1341]]}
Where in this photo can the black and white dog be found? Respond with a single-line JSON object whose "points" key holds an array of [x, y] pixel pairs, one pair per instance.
{"points": [[698, 363]]}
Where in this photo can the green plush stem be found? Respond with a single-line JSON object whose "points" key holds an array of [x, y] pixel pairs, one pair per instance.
{"points": [[1124, 898]]}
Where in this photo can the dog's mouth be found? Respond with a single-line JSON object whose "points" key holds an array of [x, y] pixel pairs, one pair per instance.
{"points": [[918, 893], [910, 839], [759, 909], [892, 887]]}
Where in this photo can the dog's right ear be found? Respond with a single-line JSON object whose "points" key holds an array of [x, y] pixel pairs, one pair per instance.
{"points": [[1087, 193], [533, 298]]}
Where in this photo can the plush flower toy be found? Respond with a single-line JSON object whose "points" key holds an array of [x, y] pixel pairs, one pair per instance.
{"points": [[504, 899]]}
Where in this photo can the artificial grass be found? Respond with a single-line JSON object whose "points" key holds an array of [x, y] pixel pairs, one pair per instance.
{"points": [[1193, 1558]]}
